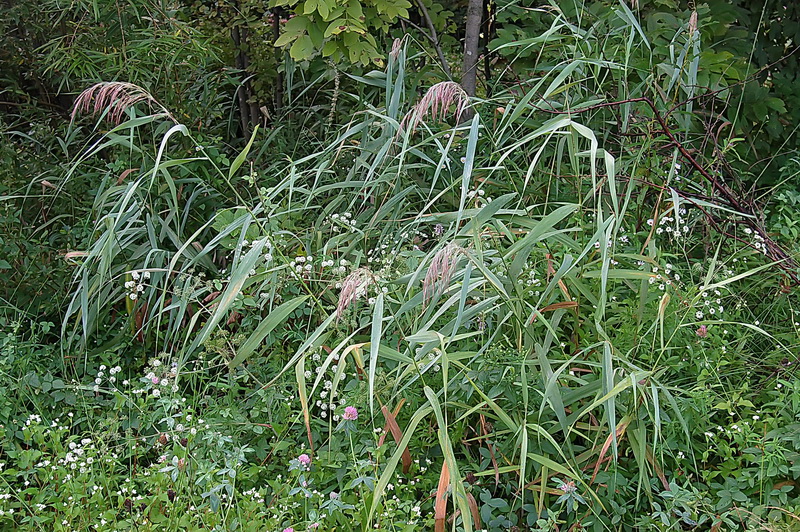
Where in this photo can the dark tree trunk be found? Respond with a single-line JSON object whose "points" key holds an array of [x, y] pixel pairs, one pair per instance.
{"points": [[239, 63], [255, 113], [469, 78]]}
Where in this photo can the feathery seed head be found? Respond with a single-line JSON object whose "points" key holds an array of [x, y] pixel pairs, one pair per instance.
{"points": [[354, 286], [436, 102], [116, 96], [441, 270]]}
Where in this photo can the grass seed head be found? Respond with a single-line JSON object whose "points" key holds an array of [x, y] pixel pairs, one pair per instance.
{"points": [[436, 103], [116, 96], [441, 270]]}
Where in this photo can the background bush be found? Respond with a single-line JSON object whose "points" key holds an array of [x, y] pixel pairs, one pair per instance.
{"points": [[267, 276]]}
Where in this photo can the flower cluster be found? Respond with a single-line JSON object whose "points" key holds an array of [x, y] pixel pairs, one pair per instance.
{"points": [[303, 265], [429, 360], [385, 254], [301, 463], [479, 197], [663, 276], [158, 378], [134, 286], [675, 226], [342, 223], [711, 306], [531, 279], [101, 374], [758, 241], [80, 455], [328, 396]]}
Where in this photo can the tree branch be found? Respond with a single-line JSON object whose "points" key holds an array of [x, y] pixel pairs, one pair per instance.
{"points": [[433, 37]]}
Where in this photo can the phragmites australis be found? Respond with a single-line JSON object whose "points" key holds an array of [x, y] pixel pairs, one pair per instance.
{"points": [[693, 23], [436, 103], [441, 270], [354, 286], [397, 45], [116, 96]]}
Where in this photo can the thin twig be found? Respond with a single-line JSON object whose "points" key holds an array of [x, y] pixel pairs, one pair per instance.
{"points": [[432, 36]]}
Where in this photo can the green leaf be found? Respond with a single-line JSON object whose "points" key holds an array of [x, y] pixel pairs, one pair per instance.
{"points": [[238, 277], [285, 39], [267, 325], [336, 27], [243, 155], [375, 344], [302, 48]]}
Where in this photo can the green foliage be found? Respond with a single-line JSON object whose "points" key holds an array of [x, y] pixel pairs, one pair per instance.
{"points": [[338, 29], [544, 316]]}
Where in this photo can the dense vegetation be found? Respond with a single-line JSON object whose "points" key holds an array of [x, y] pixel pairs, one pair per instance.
{"points": [[399, 265]]}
